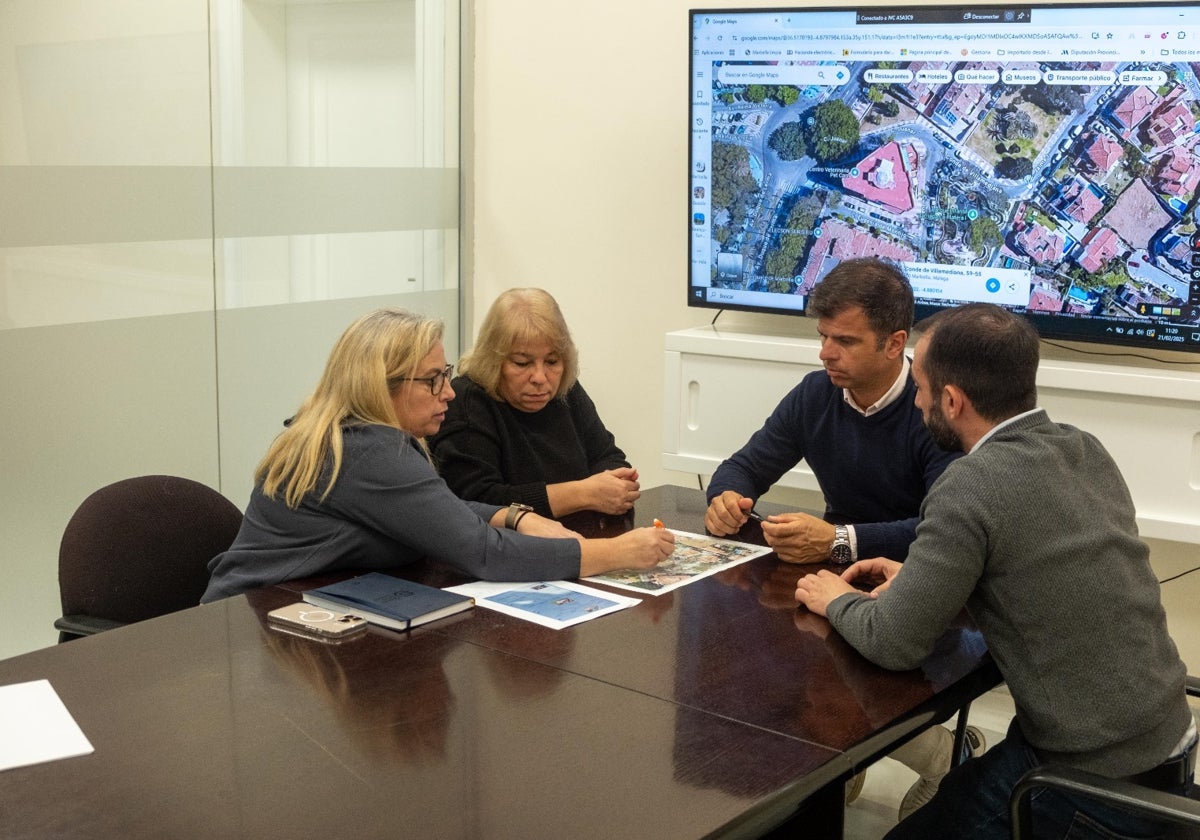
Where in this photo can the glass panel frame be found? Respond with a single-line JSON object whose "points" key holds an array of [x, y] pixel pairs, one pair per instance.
{"points": [[185, 228]]}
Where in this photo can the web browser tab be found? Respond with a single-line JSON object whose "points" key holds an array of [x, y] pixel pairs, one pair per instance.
{"points": [[971, 15]]}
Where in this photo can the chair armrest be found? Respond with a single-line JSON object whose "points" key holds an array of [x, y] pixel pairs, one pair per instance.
{"points": [[85, 625], [1118, 793]]}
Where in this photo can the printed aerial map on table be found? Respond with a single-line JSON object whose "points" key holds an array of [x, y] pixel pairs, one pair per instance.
{"points": [[695, 556]]}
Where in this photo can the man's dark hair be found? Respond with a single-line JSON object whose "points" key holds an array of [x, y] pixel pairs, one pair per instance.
{"points": [[878, 286], [988, 352]]}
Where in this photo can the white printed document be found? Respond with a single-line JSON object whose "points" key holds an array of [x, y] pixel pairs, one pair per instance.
{"points": [[35, 726], [555, 604]]}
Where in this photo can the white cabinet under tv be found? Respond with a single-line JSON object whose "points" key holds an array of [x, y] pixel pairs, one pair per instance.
{"points": [[721, 384]]}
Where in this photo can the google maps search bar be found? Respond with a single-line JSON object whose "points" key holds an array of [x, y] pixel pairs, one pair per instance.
{"points": [[783, 74]]}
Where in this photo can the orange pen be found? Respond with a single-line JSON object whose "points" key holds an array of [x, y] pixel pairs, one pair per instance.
{"points": [[658, 523]]}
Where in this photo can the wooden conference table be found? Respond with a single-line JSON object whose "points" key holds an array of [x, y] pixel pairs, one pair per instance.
{"points": [[713, 710]]}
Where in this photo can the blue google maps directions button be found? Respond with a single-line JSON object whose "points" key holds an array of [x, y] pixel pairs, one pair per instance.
{"points": [[993, 285]]}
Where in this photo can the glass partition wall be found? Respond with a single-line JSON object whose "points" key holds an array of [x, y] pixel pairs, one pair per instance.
{"points": [[195, 199]]}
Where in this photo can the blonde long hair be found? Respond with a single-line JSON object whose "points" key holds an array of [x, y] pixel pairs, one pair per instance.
{"points": [[519, 314], [366, 365]]}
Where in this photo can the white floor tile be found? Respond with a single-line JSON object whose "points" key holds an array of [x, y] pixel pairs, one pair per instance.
{"points": [[873, 814]]}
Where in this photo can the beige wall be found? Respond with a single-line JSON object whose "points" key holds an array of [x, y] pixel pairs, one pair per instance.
{"points": [[580, 158]]}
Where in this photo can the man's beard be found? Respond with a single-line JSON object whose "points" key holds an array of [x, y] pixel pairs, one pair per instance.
{"points": [[940, 431]]}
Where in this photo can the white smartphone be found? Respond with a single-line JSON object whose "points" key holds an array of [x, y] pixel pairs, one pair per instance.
{"points": [[317, 621]]}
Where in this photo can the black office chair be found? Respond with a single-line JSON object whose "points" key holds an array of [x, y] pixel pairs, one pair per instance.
{"points": [[1182, 812], [137, 549]]}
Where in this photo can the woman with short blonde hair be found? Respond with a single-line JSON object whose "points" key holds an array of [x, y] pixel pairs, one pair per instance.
{"points": [[524, 430], [519, 314]]}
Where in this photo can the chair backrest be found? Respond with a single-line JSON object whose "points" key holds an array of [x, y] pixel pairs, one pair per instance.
{"points": [[140, 548], [1180, 812]]}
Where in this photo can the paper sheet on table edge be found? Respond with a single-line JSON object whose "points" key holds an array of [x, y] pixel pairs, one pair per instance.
{"points": [[35, 726]]}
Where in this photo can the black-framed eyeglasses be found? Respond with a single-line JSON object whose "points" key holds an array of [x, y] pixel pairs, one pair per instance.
{"points": [[436, 382]]}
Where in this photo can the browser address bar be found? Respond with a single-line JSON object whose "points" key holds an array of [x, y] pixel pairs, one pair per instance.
{"points": [[783, 74]]}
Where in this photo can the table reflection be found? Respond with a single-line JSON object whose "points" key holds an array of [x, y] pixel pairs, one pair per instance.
{"points": [[403, 711]]}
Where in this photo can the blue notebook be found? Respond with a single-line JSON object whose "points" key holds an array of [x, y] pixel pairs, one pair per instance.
{"points": [[389, 601]]}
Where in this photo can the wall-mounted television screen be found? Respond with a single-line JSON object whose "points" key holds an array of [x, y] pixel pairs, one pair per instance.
{"points": [[1042, 157]]}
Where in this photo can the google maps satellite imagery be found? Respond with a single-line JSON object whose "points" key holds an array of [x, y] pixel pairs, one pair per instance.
{"points": [[1073, 183]]}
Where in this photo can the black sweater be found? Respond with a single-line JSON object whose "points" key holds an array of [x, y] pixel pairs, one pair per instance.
{"points": [[488, 451]]}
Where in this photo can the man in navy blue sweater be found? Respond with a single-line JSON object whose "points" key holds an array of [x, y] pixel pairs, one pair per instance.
{"points": [[856, 425]]}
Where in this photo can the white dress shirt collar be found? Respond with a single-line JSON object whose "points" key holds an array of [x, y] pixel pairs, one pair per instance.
{"points": [[890, 396], [1001, 425]]}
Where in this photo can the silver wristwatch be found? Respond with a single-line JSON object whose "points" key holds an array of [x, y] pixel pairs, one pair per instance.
{"points": [[841, 553]]}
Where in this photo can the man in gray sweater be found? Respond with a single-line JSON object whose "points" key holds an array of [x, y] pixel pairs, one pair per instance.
{"points": [[1034, 532]]}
